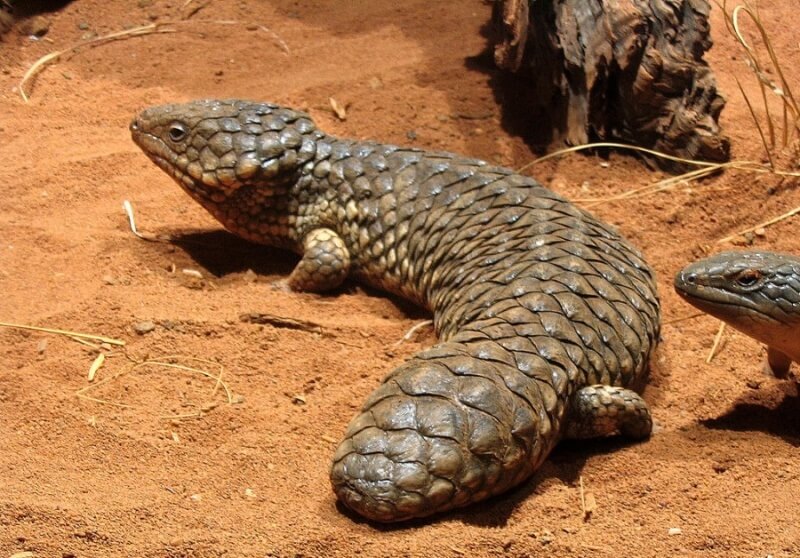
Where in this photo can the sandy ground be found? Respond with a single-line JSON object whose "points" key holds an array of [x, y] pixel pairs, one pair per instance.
{"points": [[82, 478]]}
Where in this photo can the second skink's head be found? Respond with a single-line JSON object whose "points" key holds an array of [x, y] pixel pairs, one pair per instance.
{"points": [[755, 292]]}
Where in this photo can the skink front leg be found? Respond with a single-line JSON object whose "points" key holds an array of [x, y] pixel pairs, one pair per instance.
{"points": [[325, 263]]}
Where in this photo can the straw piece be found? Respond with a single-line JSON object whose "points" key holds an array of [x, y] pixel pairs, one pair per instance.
{"points": [[762, 225], [64, 332], [717, 340]]}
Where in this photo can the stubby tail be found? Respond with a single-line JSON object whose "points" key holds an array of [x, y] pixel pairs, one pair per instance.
{"points": [[458, 423]]}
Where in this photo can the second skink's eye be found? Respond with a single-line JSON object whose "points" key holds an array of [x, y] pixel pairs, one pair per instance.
{"points": [[748, 277], [177, 131]]}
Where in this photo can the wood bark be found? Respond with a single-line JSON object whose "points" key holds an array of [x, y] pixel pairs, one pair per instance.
{"points": [[624, 70]]}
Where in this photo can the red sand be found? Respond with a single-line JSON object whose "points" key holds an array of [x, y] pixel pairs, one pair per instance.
{"points": [[251, 479]]}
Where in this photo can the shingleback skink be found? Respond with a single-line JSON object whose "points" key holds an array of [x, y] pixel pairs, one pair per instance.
{"points": [[546, 317], [757, 293]]}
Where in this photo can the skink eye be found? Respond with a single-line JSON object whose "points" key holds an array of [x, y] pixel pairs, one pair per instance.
{"points": [[748, 277], [177, 131]]}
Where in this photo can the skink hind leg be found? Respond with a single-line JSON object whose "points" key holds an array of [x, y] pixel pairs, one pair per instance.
{"points": [[600, 410], [325, 263]]}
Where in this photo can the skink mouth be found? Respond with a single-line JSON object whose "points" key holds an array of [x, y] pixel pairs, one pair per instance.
{"points": [[163, 157], [725, 306], [154, 148]]}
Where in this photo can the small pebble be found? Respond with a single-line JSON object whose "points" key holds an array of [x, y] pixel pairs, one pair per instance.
{"points": [[674, 531], [546, 537], [673, 217], [83, 26], [411, 134], [144, 327], [753, 384]]}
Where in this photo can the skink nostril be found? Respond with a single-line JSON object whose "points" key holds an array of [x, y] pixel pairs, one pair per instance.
{"points": [[690, 278], [134, 126]]}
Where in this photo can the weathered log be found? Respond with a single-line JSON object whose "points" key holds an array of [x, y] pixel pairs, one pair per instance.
{"points": [[625, 70], [12, 11], [6, 19]]}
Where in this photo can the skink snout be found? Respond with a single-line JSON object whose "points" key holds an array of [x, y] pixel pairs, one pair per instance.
{"points": [[683, 278], [686, 282]]}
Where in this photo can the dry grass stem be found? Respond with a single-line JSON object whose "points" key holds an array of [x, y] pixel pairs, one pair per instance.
{"points": [[715, 346], [588, 502], [218, 377], [706, 169], [762, 225], [411, 331], [790, 111], [682, 319], [94, 346], [658, 186], [583, 147], [162, 361], [758, 124], [128, 208], [150, 29], [98, 362], [339, 110], [54, 57], [64, 332]]}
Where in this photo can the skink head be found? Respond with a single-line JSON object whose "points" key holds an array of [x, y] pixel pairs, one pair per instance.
{"points": [[755, 292], [215, 148]]}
